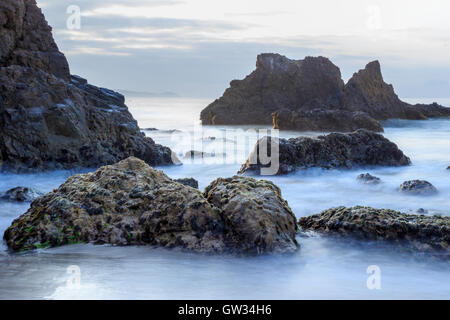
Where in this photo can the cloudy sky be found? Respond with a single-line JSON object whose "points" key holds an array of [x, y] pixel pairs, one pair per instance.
{"points": [[196, 47]]}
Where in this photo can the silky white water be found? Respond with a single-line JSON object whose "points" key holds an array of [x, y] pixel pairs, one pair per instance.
{"points": [[324, 268]]}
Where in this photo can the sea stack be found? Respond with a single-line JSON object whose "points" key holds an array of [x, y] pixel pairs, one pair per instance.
{"points": [[310, 95], [50, 119]]}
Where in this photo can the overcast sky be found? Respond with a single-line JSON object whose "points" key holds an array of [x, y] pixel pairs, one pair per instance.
{"points": [[196, 47]]}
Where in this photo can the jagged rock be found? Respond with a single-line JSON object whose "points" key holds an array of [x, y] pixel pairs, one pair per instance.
{"points": [[255, 213], [324, 120], [51, 120], [337, 150], [191, 182], [277, 83], [26, 39], [418, 187], [367, 178], [21, 194], [309, 95], [130, 203], [422, 233]]}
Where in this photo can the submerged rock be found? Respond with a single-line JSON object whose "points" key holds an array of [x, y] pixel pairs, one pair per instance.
{"points": [[367, 178], [423, 233], [418, 187], [22, 194], [130, 203], [50, 119], [256, 217], [336, 150], [191, 182], [309, 95]]}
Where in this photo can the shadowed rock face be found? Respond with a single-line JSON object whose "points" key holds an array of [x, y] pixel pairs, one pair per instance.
{"points": [[49, 119], [423, 233], [337, 150], [309, 95], [130, 203]]}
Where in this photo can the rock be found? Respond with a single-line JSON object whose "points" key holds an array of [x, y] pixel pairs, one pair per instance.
{"points": [[200, 155], [418, 187], [256, 216], [130, 203], [191, 182], [448, 168], [336, 150], [51, 120], [310, 95], [324, 120], [367, 178], [22, 194], [26, 39], [423, 233]]}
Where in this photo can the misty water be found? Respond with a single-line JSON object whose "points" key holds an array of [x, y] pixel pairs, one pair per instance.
{"points": [[324, 267]]}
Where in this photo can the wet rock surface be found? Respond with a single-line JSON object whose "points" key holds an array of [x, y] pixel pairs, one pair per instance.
{"points": [[418, 187], [310, 95], [256, 216], [130, 203], [191, 182], [429, 234], [51, 120], [21, 194], [337, 150], [367, 178]]}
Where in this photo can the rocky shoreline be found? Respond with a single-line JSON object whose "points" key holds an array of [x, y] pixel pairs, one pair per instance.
{"points": [[50, 119]]}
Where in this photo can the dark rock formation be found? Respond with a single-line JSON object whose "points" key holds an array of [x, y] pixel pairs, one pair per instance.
{"points": [[418, 187], [49, 119], [309, 94], [130, 203], [324, 120], [423, 233], [337, 150], [191, 182], [21, 194], [255, 213], [367, 178]]}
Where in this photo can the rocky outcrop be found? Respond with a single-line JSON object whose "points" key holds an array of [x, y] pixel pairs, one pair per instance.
{"points": [[21, 194], [367, 178], [309, 95], [130, 203], [361, 148], [423, 233], [191, 182], [256, 215], [51, 120], [324, 120], [418, 187], [26, 39]]}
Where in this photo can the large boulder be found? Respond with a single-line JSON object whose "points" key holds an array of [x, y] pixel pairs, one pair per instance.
{"points": [[309, 95], [361, 148], [256, 216], [420, 232], [367, 178], [418, 187], [130, 203], [51, 120]]}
